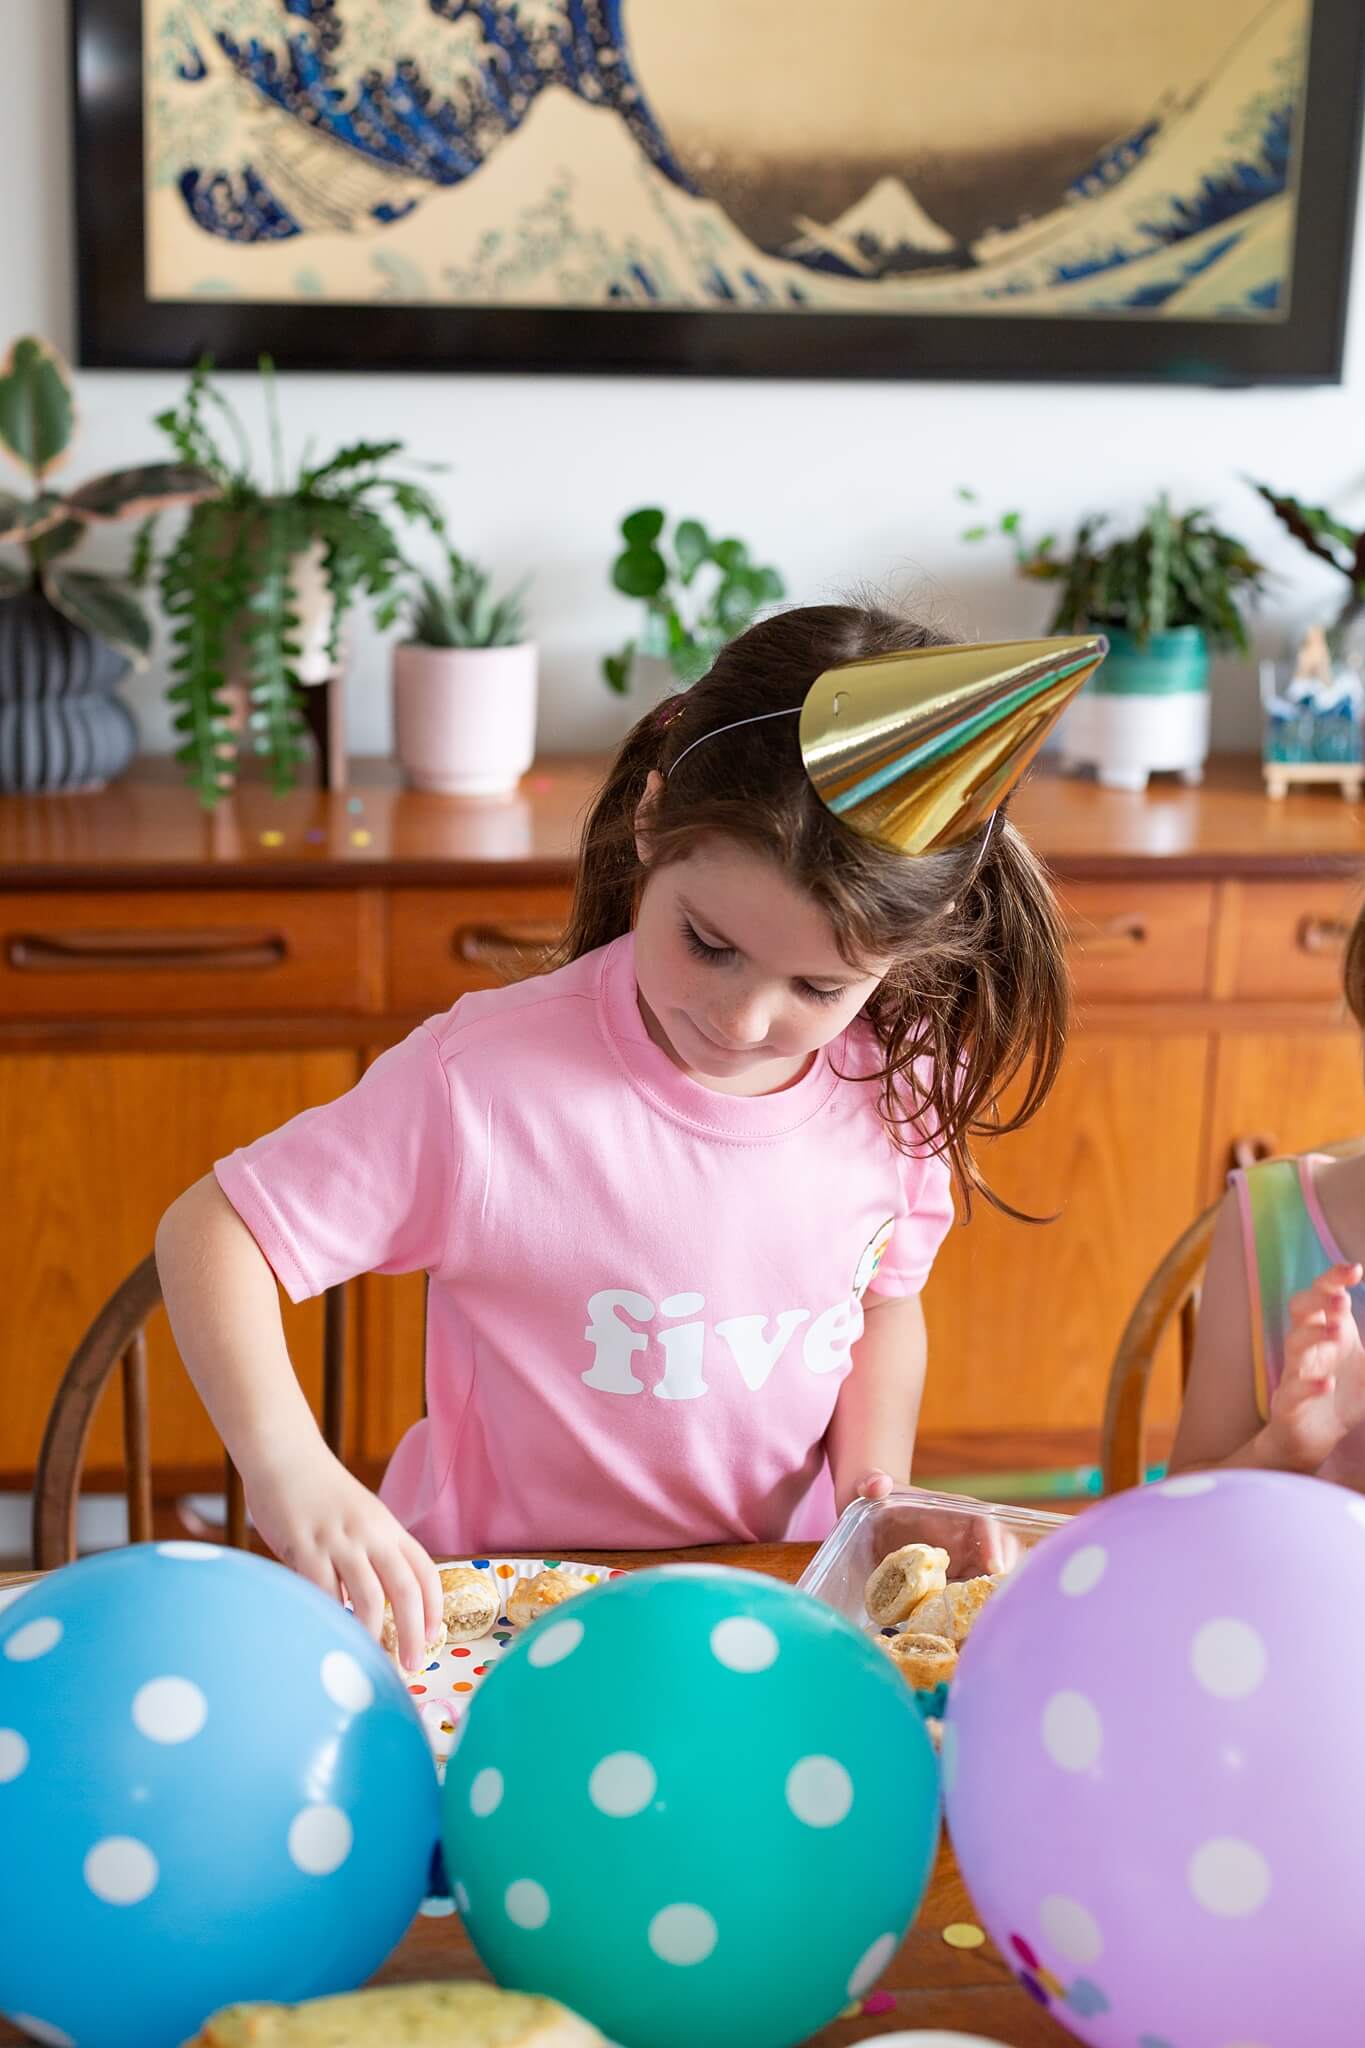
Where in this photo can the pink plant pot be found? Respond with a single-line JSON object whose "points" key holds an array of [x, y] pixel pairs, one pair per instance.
{"points": [[464, 717]]}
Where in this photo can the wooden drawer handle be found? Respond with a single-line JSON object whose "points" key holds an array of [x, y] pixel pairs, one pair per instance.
{"points": [[501, 946], [1323, 934], [1252, 1149], [78, 952], [1122, 934]]}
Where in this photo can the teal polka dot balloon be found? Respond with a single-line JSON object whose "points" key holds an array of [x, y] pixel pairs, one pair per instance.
{"points": [[695, 1806]]}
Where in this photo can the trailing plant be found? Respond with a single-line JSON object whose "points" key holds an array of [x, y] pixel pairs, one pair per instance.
{"points": [[227, 582], [1324, 535], [462, 611], [37, 425], [685, 621], [1176, 569]]}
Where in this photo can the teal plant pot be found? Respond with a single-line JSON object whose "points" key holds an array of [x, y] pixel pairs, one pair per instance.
{"points": [[1145, 711]]}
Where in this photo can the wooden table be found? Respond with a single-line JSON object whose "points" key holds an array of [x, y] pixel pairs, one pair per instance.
{"points": [[928, 1984]]}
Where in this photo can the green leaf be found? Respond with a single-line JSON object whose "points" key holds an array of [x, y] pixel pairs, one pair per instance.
{"points": [[976, 533], [642, 529], [616, 669], [968, 497], [691, 662], [661, 630], [692, 545], [55, 540], [150, 488], [36, 408], [768, 586], [729, 555], [640, 572], [1009, 522], [102, 608], [735, 603], [22, 519]]}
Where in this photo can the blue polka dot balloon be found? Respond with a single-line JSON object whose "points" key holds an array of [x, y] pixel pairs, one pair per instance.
{"points": [[213, 1787], [695, 1806]]}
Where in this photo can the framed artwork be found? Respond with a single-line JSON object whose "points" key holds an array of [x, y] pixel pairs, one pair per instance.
{"points": [[1125, 189]]}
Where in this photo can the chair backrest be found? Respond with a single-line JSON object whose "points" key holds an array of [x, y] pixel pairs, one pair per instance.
{"points": [[117, 1338], [1173, 1291]]}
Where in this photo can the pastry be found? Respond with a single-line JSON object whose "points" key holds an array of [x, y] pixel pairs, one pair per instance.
{"points": [[902, 1580], [389, 1638], [471, 1608], [953, 1612], [471, 1603], [925, 1660], [533, 1597], [404, 2016]]}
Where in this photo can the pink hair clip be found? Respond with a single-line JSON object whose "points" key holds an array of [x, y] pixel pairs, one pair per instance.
{"points": [[671, 708]]}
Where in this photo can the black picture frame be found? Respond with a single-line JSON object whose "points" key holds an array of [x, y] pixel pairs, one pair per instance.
{"points": [[118, 327]]}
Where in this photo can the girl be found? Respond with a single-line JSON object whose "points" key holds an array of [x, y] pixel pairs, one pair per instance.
{"points": [[1278, 1374], [677, 1197]]}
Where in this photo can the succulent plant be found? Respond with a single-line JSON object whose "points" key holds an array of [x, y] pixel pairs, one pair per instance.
{"points": [[462, 611]]}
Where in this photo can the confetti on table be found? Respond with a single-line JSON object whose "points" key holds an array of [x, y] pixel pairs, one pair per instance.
{"points": [[879, 2001], [314, 836], [360, 839], [962, 1934], [541, 783], [355, 806], [272, 839]]}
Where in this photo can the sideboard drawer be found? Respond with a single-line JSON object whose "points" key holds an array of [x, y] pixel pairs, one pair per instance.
{"points": [[445, 942], [186, 953], [1286, 941], [1139, 941]]}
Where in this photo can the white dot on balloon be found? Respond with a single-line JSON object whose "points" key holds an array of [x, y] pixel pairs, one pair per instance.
{"points": [[320, 1840], [1072, 1731], [485, 1794], [121, 1870], [436, 1909], [345, 1683], [13, 1755], [873, 1963], [191, 1553], [742, 1644], [819, 1791], [34, 1639], [948, 1755], [683, 1935], [1356, 1510], [553, 1644], [169, 1710], [1187, 1485], [622, 1784], [1229, 1877], [1070, 1929], [40, 2030], [461, 1897], [1228, 1658], [1084, 1569], [527, 1903]]}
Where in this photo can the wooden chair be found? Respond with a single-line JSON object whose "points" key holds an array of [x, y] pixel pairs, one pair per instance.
{"points": [[117, 1338], [1173, 1291]]}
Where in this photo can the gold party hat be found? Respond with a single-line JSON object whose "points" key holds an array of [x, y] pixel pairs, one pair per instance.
{"points": [[916, 750]]}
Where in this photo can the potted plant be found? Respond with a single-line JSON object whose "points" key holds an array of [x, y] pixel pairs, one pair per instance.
{"points": [[66, 635], [1164, 596], [686, 622], [259, 583], [1341, 546], [464, 685]]}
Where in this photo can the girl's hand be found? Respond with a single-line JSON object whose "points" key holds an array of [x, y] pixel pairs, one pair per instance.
{"points": [[1321, 1395], [874, 1485], [322, 1522]]}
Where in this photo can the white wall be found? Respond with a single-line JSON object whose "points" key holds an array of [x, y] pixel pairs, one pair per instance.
{"points": [[836, 483]]}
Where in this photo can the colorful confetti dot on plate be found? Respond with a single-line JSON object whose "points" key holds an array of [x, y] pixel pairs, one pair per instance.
{"points": [[505, 1571], [461, 1685], [416, 1688], [479, 1670], [480, 1564], [462, 1650], [272, 839], [963, 1934]]}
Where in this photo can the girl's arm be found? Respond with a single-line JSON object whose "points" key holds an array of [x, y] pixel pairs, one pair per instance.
{"points": [[223, 1302], [1220, 1423], [871, 1437]]}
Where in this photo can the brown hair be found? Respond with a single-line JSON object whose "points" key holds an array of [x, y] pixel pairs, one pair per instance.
{"points": [[1354, 975], [979, 992]]}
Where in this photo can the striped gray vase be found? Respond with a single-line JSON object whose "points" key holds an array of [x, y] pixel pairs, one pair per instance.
{"points": [[61, 726]]}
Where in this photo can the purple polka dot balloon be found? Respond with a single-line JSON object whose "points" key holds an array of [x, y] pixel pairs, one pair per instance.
{"points": [[1154, 1767]]}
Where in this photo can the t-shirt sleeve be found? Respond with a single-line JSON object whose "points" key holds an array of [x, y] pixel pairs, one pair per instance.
{"points": [[360, 1185], [921, 1224]]}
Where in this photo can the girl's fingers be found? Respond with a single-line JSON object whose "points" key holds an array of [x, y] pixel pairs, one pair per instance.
{"points": [[875, 1485], [400, 1583], [429, 1584], [366, 1593]]}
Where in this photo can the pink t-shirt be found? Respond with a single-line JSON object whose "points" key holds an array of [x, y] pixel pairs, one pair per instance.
{"points": [[642, 1293]]}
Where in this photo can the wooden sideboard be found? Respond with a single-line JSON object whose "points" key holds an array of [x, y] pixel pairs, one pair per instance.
{"points": [[173, 982]]}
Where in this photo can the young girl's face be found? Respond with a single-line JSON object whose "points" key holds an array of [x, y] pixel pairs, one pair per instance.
{"points": [[739, 975]]}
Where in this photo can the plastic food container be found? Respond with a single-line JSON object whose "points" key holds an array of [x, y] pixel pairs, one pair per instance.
{"points": [[977, 1536]]}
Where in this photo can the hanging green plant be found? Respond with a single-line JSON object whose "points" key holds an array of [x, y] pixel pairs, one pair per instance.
{"points": [[229, 581]]}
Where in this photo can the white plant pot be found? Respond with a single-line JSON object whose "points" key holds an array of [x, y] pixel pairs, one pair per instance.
{"points": [[1128, 738], [464, 717]]}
